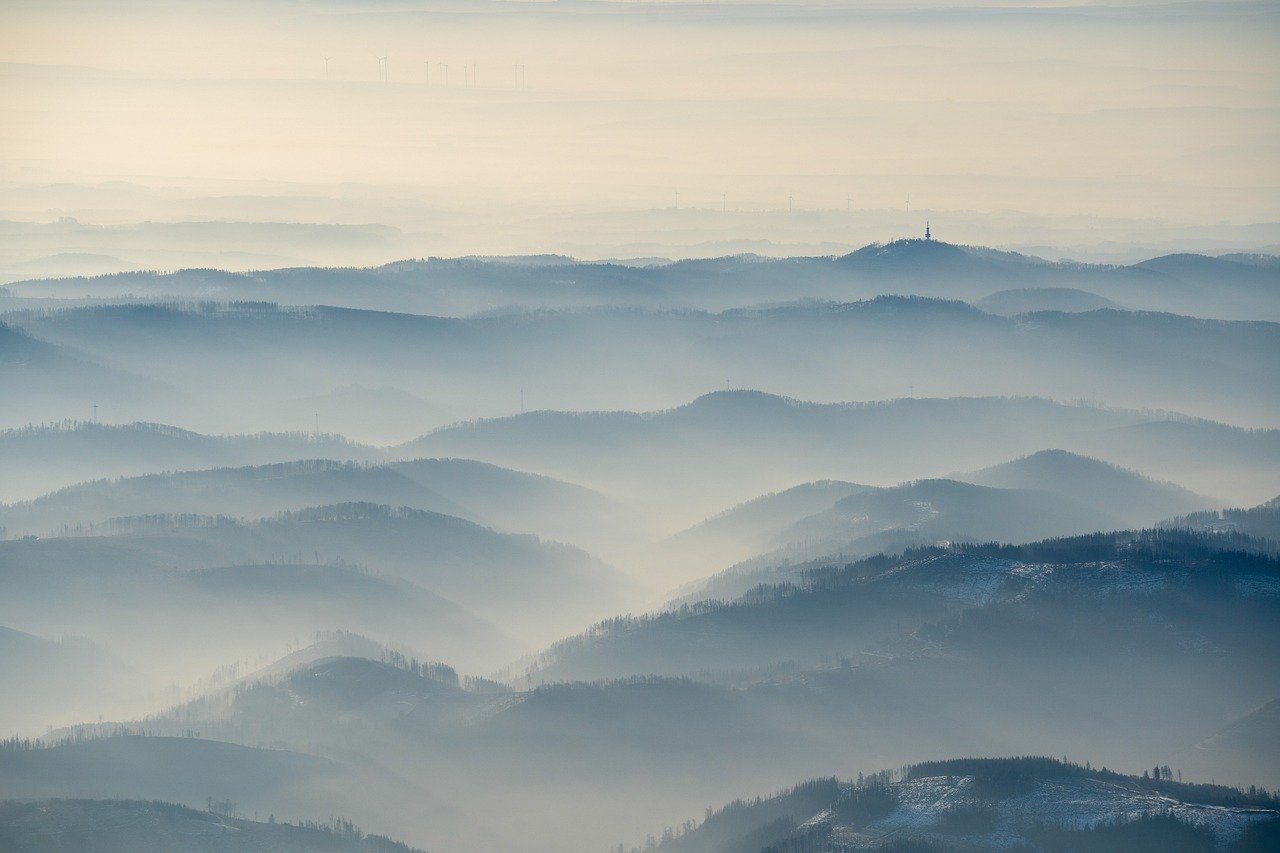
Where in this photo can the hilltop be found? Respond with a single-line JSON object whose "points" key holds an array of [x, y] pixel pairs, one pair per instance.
{"points": [[729, 446], [991, 803], [1187, 283], [39, 459], [1125, 495]]}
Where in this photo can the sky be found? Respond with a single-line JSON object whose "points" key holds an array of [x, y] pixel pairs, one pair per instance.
{"points": [[600, 128]]}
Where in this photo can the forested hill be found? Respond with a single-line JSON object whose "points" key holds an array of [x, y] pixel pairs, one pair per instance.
{"points": [[992, 803], [833, 609], [1212, 286], [46, 826]]}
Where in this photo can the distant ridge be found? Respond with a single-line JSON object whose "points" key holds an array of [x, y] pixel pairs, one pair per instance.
{"points": [[38, 459], [514, 501], [932, 254], [755, 442], [1240, 285], [1130, 497]]}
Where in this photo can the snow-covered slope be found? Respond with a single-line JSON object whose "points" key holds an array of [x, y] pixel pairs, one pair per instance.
{"points": [[992, 804]]}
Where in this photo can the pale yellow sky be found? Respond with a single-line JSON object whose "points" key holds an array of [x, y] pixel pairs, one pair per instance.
{"points": [[1152, 111]]}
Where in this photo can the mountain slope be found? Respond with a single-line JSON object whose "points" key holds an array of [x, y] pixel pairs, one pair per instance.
{"points": [[929, 511], [49, 682], [748, 528], [185, 769], [1247, 749], [1126, 496], [1083, 646], [521, 502], [329, 698], [726, 447], [168, 623], [247, 492], [42, 380], [984, 804], [512, 500], [608, 357], [1051, 493], [1010, 303], [38, 459], [890, 520], [496, 575], [963, 598], [50, 826], [1261, 521]]}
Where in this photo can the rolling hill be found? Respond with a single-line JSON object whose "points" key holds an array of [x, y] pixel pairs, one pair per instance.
{"points": [[183, 769], [987, 804], [510, 500], [1050, 493], [1261, 521], [54, 826], [1247, 749], [168, 624], [243, 492], [955, 602], [610, 357], [39, 459], [496, 575], [934, 511], [729, 446], [1010, 303], [1186, 283], [42, 380], [1082, 645], [891, 520], [1127, 497], [55, 681], [751, 527]]}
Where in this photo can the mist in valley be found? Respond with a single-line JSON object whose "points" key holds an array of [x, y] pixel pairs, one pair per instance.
{"points": [[635, 426]]}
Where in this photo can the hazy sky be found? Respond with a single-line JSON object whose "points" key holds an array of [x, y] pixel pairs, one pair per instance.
{"points": [[1132, 111]]}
